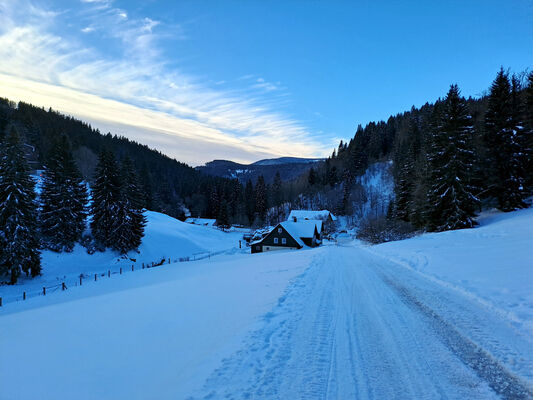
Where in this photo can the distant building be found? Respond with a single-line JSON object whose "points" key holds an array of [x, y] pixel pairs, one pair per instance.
{"points": [[322, 215], [325, 216], [202, 221], [290, 235]]}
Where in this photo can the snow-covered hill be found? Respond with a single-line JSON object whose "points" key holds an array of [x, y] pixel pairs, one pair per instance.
{"points": [[165, 238]]}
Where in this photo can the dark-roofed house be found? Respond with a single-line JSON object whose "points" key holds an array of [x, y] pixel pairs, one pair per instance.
{"points": [[290, 235]]}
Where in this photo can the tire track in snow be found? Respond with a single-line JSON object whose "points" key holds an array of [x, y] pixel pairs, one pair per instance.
{"points": [[498, 378], [341, 332]]}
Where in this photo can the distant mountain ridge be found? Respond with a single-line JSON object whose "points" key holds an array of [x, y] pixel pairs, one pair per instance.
{"points": [[288, 167], [287, 160]]}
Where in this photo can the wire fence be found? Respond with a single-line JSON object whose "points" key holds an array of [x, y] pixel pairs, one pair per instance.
{"points": [[84, 279]]}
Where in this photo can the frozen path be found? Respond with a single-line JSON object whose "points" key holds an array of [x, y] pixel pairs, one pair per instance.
{"points": [[357, 326]]}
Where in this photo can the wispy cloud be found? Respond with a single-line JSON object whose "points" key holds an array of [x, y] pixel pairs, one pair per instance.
{"points": [[135, 88]]}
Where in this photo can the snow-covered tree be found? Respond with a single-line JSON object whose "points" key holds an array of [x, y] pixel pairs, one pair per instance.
{"points": [[504, 161], [19, 244], [528, 136], [106, 197], [130, 220], [452, 204], [261, 197], [63, 200]]}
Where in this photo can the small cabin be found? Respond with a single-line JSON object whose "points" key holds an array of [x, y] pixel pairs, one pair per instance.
{"points": [[290, 235]]}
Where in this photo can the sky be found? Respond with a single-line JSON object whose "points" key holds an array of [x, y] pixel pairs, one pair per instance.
{"points": [[246, 80]]}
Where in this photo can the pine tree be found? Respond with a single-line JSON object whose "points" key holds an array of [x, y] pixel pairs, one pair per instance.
{"points": [[527, 144], [260, 197], [63, 200], [249, 198], [311, 177], [106, 200], [19, 244], [404, 182], [503, 162], [277, 193], [130, 220], [451, 200], [344, 207], [223, 217]]}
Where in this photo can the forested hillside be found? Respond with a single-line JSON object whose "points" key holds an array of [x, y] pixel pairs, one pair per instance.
{"points": [[496, 157], [168, 185], [450, 158]]}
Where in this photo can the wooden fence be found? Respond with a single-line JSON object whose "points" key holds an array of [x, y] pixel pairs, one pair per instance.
{"points": [[79, 281]]}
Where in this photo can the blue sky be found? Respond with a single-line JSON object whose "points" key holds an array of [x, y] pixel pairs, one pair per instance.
{"points": [[245, 80]]}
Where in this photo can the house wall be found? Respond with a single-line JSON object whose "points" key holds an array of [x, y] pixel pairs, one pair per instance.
{"points": [[269, 239]]}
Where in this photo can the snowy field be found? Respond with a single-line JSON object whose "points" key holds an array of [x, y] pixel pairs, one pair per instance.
{"points": [[165, 237], [441, 316]]}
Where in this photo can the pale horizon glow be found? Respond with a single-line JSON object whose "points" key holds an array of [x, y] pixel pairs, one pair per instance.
{"points": [[136, 96]]}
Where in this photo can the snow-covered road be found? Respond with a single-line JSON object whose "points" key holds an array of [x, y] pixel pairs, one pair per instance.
{"points": [[356, 326], [333, 322]]}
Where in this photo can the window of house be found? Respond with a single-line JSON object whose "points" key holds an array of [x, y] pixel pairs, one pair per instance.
{"points": [[275, 240], [280, 230], [258, 247], [283, 241]]}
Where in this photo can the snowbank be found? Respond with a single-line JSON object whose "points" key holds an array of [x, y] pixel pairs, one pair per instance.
{"points": [[492, 263]]}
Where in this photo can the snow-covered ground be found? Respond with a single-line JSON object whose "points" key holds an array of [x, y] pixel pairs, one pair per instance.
{"points": [[165, 238], [441, 316], [492, 263]]}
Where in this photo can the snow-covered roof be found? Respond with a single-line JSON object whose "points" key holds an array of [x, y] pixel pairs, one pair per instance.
{"points": [[201, 221], [309, 214], [300, 229]]}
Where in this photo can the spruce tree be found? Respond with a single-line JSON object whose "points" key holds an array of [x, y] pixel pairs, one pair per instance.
{"points": [[106, 200], [404, 183], [505, 180], [19, 244], [260, 197], [527, 144], [311, 177], [63, 200], [223, 217], [451, 201], [277, 190], [130, 220], [249, 199], [344, 207]]}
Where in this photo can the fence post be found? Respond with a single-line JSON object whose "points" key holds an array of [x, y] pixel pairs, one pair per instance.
{"points": [[143, 265], [132, 267], [108, 273], [63, 286], [120, 270], [0, 302], [169, 260], [44, 291], [81, 277], [23, 295], [95, 277]]}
